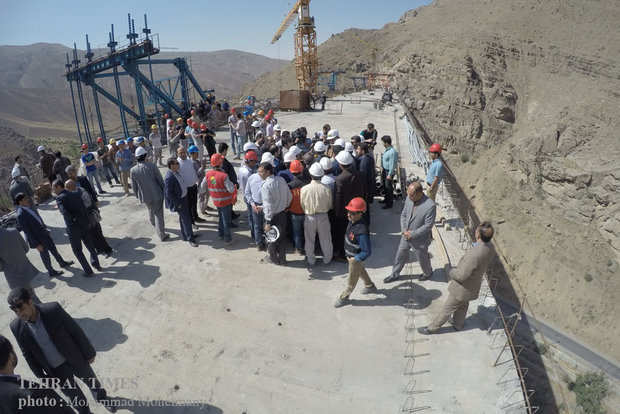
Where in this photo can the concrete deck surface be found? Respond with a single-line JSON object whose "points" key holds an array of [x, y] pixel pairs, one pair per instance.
{"points": [[214, 325]]}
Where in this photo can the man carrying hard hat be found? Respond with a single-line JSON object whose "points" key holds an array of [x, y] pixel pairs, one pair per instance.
{"points": [[357, 249]]}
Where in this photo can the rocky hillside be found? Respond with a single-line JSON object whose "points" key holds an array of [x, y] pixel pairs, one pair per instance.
{"points": [[524, 96]]}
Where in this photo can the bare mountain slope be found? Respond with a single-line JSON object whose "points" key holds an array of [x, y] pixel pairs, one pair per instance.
{"points": [[524, 96]]}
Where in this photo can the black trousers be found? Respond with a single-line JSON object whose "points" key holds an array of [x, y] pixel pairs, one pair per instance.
{"points": [[77, 235], [66, 372], [192, 200], [101, 244], [340, 228], [388, 185], [277, 249], [50, 247]]}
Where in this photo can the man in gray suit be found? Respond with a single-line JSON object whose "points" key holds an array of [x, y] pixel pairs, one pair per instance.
{"points": [[21, 184], [18, 270], [148, 186], [465, 281], [416, 223]]}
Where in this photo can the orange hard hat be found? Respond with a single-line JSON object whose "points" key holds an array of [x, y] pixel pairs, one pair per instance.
{"points": [[251, 155], [435, 148], [356, 205], [217, 160], [296, 166]]}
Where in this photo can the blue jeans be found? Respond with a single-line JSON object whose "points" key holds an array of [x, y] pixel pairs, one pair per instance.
{"points": [[298, 230], [94, 175], [250, 219], [233, 141], [240, 143], [258, 220], [108, 169], [224, 215]]}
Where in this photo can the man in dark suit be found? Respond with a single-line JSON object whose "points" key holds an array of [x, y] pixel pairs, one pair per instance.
{"points": [[73, 211], [175, 196], [82, 182], [55, 346], [349, 184], [38, 236], [416, 224], [18, 395], [465, 281]]}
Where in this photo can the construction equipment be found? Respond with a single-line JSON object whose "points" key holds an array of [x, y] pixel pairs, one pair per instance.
{"points": [[306, 60], [373, 53], [331, 83]]}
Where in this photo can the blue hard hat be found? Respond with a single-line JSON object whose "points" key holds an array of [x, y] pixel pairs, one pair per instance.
{"points": [[140, 139], [192, 149], [129, 139], [246, 113], [121, 142]]}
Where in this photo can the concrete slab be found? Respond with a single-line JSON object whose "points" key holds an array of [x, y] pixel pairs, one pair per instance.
{"points": [[216, 326]]}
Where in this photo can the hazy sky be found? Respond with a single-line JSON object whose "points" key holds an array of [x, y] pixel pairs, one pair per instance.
{"points": [[205, 25]]}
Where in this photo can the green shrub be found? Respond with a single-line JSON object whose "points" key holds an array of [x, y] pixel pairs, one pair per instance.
{"points": [[590, 390]]}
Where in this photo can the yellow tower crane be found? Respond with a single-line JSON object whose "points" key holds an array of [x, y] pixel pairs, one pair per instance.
{"points": [[306, 60]]}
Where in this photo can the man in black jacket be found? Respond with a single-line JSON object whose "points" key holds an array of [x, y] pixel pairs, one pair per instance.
{"points": [[18, 395], [73, 211], [367, 167], [55, 347]]}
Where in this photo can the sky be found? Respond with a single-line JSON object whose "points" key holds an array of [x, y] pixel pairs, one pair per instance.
{"points": [[206, 25]]}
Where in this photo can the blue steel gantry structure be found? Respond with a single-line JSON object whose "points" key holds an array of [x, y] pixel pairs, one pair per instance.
{"points": [[127, 62]]}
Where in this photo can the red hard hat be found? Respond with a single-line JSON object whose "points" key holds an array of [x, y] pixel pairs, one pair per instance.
{"points": [[166, 116], [356, 205], [233, 110], [189, 121], [296, 166], [99, 139], [270, 111], [435, 148], [251, 155], [217, 160], [203, 127], [193, 112], [84, 146]]}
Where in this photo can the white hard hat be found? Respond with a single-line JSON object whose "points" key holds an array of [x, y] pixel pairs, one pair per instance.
{"points": [[344, 158], [285, 130], [277, 127], [255, 124], [249, 146], [254, 113], [267, 157], [349, 147], [333, 133], [15, 173], [295, 150], [289, 156], [326, 163], [140, 151], [41, 148], [319, 146], [316, 170], [339, 142], [259, 133]]}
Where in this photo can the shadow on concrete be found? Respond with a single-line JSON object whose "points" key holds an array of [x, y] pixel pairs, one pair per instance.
{"points": [[104, 334], [398, 296], [146, 275], [162, 406], [127, 249]]}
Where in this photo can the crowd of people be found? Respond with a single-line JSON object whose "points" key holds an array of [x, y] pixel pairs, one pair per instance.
{"points": [[305, 193]]}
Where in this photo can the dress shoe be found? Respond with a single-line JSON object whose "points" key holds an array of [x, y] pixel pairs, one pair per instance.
{"points": [[98, 268], [107, 254], [422, 278], [262, 247], [209, 208], [230, 242], [193, 243], [390, 279], [341, 302], [55, 273], [386, 207], [425, 331], [67, 264], [102, 192], [200, 220], [166, 237]]}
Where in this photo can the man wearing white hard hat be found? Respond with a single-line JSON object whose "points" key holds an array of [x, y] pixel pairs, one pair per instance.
{"points": [[319, 149], [316, 201]]}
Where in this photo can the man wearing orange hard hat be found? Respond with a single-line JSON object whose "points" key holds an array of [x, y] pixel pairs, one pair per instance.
{"points": [[223, 194]]}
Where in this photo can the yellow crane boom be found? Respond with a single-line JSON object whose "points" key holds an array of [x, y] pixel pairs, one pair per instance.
{"points": [[306, 61]]}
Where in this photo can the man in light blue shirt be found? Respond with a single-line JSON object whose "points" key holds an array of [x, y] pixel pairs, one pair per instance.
{"points": [[389, 163], [124, 160], [435, 172]]}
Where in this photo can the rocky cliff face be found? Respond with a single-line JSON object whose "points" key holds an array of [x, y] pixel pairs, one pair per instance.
{"points": [[523, 96]]}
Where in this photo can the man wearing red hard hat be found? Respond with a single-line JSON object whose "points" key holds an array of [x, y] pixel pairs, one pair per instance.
{"points": [[435, 172], [357, 249], [224, 195]]}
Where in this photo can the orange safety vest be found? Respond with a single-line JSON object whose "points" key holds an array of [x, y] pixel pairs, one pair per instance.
{"points": [[217, 189], [295, 206]]}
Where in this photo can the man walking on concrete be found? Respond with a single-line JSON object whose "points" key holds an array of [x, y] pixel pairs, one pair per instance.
{"points": [[465, 281], [148, 186], [55, 346], [416, 223]]}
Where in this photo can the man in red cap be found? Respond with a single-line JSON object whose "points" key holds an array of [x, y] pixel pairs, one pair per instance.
{"points": [[223, 194], [357, 249]]}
